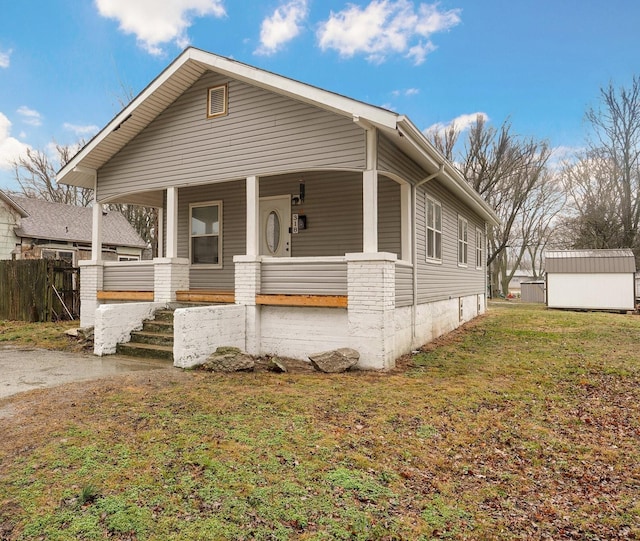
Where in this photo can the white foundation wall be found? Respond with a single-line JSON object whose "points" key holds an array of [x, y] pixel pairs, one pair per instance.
{"points": [[198, 332], [432, 320], [114, 323], [597, 291], [297, 332]]}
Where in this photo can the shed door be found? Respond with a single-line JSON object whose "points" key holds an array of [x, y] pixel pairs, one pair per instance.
{"points": [[275, 221]]}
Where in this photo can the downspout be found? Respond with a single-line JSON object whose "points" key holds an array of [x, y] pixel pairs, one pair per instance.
{"points": [[414, 243]]}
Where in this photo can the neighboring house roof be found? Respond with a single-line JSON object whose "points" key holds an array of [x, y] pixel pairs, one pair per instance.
{"points": [[590, 261], [4, 197], [193, 63], [68, 223]]}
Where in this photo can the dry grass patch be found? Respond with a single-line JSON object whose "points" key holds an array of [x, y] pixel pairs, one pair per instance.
{"points": [[525, 424]]}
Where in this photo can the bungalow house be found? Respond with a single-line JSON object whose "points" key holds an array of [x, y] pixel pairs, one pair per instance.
{"points": [[37, 229], [308, 220]]}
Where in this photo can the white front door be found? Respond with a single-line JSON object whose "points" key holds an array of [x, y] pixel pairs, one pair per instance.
{"points": [[275, 224]]}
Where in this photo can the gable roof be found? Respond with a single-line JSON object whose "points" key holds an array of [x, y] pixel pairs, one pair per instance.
{"points": [[187, 68], [68, 223]]}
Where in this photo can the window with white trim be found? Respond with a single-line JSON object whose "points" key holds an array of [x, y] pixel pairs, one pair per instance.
{"points": [[434, 229], [205, 232], [463, 241], [217, 101], [479, 247]]}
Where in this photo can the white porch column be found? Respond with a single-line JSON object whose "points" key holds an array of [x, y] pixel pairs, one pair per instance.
{"points": [[370, 195], [371, 284], [406, 222], [253, 216], [96, 231], [160, 233], [172, 223], [247, 286]]}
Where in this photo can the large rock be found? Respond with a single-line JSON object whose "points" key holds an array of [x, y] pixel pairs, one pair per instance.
{"points": [[337, 360], [229, 359]]}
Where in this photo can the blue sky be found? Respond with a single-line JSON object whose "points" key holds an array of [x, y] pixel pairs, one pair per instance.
{"points": [[66, 65]]}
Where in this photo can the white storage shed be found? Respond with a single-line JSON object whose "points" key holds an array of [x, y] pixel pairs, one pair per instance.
{"points": [[591, 279]]}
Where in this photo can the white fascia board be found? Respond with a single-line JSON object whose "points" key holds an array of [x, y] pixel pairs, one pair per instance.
{"points": [[122, 116], [294, 89], [456, 180]]}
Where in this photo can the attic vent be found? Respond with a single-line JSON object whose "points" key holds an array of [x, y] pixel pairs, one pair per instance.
{"points": [[217, 101]]}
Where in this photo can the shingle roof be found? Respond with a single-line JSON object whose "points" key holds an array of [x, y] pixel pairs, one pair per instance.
{"points": [[60, 222]]}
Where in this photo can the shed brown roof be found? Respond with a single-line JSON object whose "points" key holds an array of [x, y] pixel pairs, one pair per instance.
{"points": [[590, 261]]}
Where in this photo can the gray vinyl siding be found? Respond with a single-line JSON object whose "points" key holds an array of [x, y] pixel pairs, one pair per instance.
{"points": [[439, 281], [333, 207], [263, 133], [316, 278], [392, 160], [125, 277], [232, 195], [389, 224], [404, 285]]}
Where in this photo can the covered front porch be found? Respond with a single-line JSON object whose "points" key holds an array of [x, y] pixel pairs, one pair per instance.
{"points": [[291, 304]]}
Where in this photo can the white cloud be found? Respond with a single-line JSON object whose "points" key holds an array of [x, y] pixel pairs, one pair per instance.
{"points": [[5, 58], [30, 116], [406, 92], [384, 27], [282, 26], [462, 123], [88, 130], [157, 22], [10, 148]]}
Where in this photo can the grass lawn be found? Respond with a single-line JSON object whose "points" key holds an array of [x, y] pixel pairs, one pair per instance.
{"points": [[524, 425]]}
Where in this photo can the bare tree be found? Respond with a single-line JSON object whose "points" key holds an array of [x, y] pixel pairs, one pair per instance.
{"points": [[510, 173], [36, 175], [604, 181]]}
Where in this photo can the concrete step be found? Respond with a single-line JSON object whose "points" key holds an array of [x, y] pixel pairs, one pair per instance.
{"points": [[161, 327], [157, 338], [164, 315], [152, 351]]}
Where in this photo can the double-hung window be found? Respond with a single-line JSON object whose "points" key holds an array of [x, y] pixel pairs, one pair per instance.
{"points": [[479, 246], [434, 230], [463, 241], [205, 231]]}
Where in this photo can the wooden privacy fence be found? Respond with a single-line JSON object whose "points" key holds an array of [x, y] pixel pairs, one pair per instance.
{"points": [[39, 290]]}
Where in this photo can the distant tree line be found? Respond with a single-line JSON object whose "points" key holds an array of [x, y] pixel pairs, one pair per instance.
{"points": [[590, 200]]}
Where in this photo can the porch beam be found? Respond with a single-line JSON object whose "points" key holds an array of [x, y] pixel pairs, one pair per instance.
{"points": [[253, 220], [172, 223], [124, 295], [327, 301]]}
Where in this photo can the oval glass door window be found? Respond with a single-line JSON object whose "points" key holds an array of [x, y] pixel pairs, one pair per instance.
{"points": [[273, 231]]}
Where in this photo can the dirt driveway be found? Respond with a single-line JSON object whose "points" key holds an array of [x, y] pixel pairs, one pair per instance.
{"points": [[23, 369]]}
